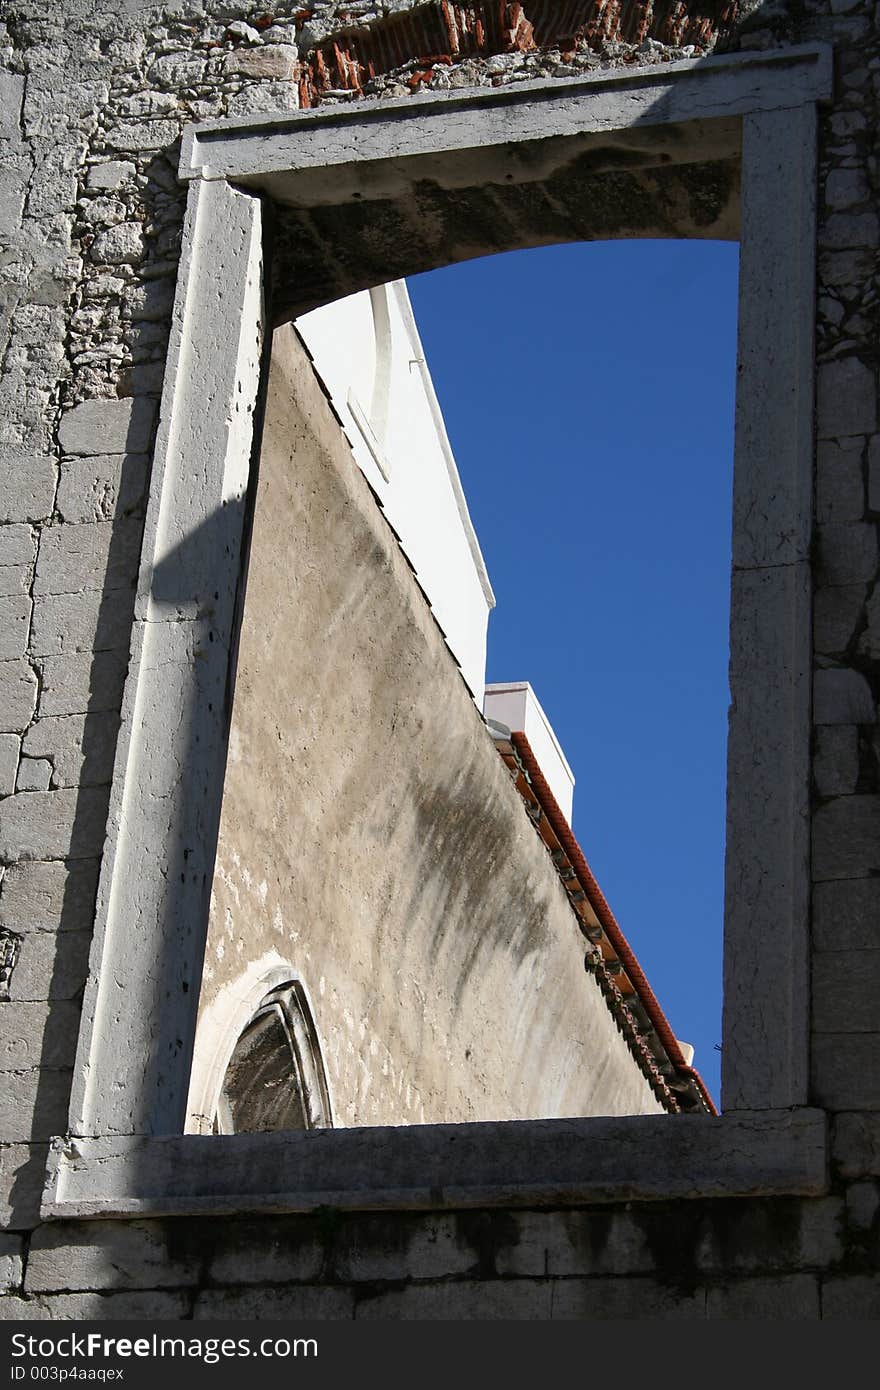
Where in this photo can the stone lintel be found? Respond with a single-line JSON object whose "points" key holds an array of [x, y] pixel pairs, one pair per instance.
{"points": [[713, 88]]}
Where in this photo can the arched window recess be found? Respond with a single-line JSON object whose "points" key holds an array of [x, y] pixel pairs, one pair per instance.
{"points": [[275, 1078]]}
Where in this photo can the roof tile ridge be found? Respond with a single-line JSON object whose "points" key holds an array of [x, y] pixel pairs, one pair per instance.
{"points": [[564, 833]]}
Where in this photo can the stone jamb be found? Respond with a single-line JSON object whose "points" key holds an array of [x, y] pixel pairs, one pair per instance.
{"points": [[139, 1016]]}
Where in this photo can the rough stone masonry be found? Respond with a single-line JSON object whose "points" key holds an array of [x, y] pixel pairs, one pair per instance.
{"points": [[92, 103]]}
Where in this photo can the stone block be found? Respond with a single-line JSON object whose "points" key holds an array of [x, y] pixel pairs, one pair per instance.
{"points": [[95, 1254], [22, 1175], [53, 187], [27, 485], [844, 188], [836, 759], [840, 487], [874, 474], [33, 1104], [862, 1205], [301, 1250], [869, 642], [102, 487], [846, 987], [297, 1303], [842, 697], [10, 747], [855, 1145], [57, 103], [53, 825], [847, 552], [91, 621], [14, 1309], [275, 61], [460, 1301], [81, 746], [16, 558], [846, 398], [144, 379], [846, 915], [49, 896], [149, 302], [13, 187], [264, 96], [148, 104], [81, 683], [298, 1251], [11, 100], [14, 579], [426, 1247], [94, 555], [844, 270], [11, 1252], [17, 549], [843, 229], [748, 1237], [851, 1297], [25, 399], [119, 245], [175, 70], [111, 174], [836, 612], [38, 1034], [579, 1242], [609, 1299], [281, 33], [789, 1298], [15, 621], [138, 136], [238, 29], [846, 1070], [847, 123], [846, 838], [155, 1306], [108, 427], [34, 775], [51, 967], [18, 695]]}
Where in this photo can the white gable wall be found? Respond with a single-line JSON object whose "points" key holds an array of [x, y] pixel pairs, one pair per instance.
{"points": [[367, 350]]}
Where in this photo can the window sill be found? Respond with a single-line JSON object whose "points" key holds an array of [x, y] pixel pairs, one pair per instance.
{"points": [[523, 1163]]}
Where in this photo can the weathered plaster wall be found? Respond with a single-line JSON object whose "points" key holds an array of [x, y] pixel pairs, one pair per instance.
{"points": [[91, 103], [371, 835]]}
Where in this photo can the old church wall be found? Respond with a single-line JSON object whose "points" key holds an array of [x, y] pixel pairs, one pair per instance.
{"points": [[371, 836], [91, 106]]}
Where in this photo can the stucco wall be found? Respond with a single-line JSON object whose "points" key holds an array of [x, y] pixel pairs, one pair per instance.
{"points": [[371, 836]]}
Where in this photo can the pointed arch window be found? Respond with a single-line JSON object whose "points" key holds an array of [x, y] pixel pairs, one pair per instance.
{"points": [[275, 1078]]}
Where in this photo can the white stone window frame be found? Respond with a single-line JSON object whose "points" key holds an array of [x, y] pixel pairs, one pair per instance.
{"points": [[126, 1152], [223, 1023]]}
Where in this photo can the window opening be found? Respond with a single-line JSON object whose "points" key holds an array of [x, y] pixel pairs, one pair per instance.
{"points": [[765, 954], [275, 1077], [600, 490], [276, 828]]}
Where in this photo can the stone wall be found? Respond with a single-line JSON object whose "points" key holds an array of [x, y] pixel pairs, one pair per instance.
{"points": [[771, 1260], [91, 106]]}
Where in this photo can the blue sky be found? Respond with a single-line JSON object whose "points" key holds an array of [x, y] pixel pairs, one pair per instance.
{"points": [[588, 395]]}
